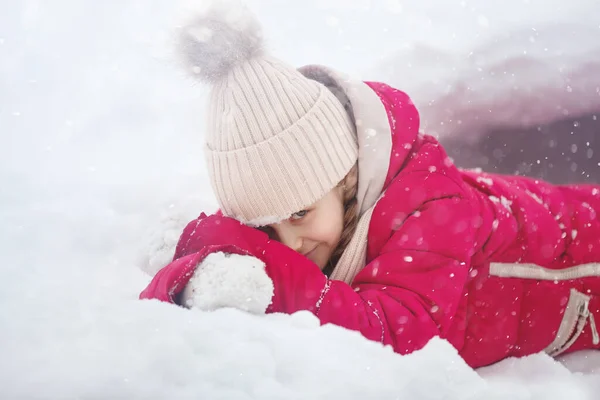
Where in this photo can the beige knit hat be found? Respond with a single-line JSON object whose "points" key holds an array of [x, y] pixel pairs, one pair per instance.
{"points": [[276, 142]]}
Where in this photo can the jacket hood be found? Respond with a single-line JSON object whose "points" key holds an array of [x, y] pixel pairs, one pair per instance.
{"points": [[382, 145]]}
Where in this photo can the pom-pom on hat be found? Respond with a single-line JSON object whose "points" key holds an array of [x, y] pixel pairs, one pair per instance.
{"points": [[276, 141]]}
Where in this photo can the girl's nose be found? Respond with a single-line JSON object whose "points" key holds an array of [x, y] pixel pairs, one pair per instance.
{"points": [[289, 237]]}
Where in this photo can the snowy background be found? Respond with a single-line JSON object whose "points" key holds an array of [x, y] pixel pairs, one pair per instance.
{"points": [[101, 164]]}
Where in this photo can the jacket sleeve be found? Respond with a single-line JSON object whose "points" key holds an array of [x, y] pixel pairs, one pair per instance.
{"points": [[406, 295]]}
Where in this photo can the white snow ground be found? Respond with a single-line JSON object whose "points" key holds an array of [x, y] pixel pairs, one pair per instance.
{"points": [[101, 163]]}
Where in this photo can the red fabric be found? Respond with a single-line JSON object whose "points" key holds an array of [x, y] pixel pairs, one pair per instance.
{"points": [[298, 282], [431, 240]]}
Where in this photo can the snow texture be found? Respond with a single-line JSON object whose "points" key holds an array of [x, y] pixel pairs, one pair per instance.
{"points": [[158, 242], [101, 150], [229, 280]]}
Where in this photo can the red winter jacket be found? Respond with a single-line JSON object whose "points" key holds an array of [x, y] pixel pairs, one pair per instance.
{"points": [[498, 265]]}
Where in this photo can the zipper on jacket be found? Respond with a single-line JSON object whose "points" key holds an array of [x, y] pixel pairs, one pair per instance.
{"points": [[577, 328], [587, 315], [574, 321]]}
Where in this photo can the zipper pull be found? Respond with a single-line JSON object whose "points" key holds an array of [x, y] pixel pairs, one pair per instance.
{"points": [[584, 311], [595, 336]]}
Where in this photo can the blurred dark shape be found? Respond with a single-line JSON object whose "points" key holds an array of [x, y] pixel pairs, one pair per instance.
{"points": [[561, 151]]}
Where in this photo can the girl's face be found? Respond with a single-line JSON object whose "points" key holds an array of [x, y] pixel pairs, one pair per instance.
{"points": [[316, 231]]}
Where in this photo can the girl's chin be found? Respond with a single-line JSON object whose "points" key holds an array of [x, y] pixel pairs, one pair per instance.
{"points": [[319, 256], [320, 260], [316, 261]]}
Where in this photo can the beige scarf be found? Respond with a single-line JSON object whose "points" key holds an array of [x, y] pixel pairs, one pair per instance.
{"points": [[375, 145], [354, 258]]}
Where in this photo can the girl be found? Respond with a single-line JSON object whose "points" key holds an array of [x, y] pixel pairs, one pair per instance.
{"points": [[366, 222]]}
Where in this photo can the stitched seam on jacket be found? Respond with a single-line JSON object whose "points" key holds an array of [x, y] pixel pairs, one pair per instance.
{"points": [[368, 303], [184, 249], [322, 296]]}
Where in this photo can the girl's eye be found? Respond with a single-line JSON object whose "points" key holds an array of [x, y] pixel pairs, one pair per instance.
{"points": [[299, 215]]}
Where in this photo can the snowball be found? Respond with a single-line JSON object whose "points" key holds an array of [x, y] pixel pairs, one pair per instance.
{"points": [[229, 280]]}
